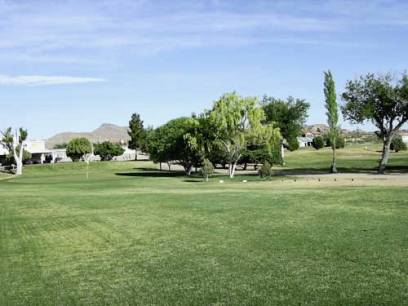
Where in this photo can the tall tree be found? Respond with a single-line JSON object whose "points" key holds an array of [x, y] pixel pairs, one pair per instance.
{"points": [[235, 121], [332, 115], [381, 99], [137, 133], [15, 145], [288, 115]]}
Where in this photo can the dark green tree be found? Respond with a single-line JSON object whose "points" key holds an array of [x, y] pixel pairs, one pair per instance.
{"points": [[332, 115], [288, 115], [207, 169], [397, 144], [176, 141], [108, 150], [136, 133], [381, 99], [318, 142], [78, 147]]}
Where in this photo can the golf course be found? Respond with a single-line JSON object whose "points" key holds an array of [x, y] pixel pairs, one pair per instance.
{"points": [[132, 235]]}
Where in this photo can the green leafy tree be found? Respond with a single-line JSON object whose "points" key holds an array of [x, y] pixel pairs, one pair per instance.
{"points": [[137, 133], [318, 142], [13, 143], [383, 100], [288, 115], [235, 120], [108, 150], [26, 157], [176, 141], [332, 114], [207, 169], [397, 144], [77, 148]]}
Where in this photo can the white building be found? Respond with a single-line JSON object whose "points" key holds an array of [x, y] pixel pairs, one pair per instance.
{"points": [[305, 141]]}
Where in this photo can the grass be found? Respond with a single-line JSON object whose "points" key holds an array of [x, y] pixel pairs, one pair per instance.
{"points": [[130, 236]]}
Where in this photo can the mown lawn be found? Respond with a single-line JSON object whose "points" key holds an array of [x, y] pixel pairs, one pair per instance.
{"points": [[128, 236]]}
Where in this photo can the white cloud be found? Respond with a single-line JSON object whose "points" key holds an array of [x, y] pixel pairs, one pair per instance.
{"points": [[40, 80]]}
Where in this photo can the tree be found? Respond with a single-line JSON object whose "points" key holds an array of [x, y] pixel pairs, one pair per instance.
{"points": [[397, 144], [289, 116], [266, 170], [137, 133], [176, 141], [14, 143], [340, 141], [318, 142], [207, 169], [78, 147], [108, 150], [235, 120], [381, 99], [332, 114]]}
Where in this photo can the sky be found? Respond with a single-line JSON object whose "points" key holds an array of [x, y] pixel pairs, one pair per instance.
{"points": [[73, 65]]}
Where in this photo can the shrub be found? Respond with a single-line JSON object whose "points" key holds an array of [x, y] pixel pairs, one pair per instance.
{"points": [[26, 157], [293, 144], [207, 169], [266, 170], [340, 142], [318, 142], [78, 147], [397, 144], [108, 150]]}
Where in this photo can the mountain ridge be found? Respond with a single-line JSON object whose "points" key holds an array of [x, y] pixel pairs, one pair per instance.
{"points": [[105, 132]]}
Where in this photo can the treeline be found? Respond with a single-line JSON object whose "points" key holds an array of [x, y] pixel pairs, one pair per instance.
{"points": [[236, 131]]}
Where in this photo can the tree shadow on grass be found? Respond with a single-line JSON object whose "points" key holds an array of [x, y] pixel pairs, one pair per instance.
{"points": [[372, 170], [154, 173]]}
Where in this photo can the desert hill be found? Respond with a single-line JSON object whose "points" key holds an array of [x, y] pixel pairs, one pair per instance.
{"points": [[106, 132]]}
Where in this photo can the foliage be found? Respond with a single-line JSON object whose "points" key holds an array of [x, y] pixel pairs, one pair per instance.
{"points": [[235, 121], [13, 143], [318, 142], [207, 169], [176, 141], [293, 144], [137, 133], [332, 114], [10, 157], [78, 147], [266, 170], [108, 150], [397, 144], [381, 100], [288, 115], [340, 141]]}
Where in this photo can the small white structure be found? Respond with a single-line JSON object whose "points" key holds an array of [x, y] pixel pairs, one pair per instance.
{"points": [[305, 141], [405, 138]]}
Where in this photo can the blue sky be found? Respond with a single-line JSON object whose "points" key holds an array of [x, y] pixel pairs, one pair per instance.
{"points": [[72, 65]]}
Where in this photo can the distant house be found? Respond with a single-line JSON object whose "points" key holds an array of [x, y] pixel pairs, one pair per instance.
{"points": [[305, 141]]}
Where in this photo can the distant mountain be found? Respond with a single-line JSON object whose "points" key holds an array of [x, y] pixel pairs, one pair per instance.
{"points": [[106, 132], [321, 129]]}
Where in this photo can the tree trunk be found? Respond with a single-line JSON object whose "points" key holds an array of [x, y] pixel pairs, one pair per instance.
{"points": [[385, 154], [206, 177], [136, 154], [160, 166], [19, 160], [169, 165], [232, 172], [333, 168]]}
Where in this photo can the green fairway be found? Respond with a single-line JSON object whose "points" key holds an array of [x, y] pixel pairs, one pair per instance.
{"points": [[129, 235]]}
